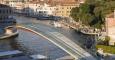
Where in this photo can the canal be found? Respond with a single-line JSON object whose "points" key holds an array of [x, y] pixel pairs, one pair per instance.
{"points": [[30, 44]]}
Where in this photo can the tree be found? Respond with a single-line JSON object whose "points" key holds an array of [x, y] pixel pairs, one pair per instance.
{"points": [[82, 13], [93, 12], [107, 39], [75, 14]]}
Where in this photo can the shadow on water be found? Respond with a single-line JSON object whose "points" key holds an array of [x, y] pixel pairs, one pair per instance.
{"points": [[15, 45], [6, 44], [10, 43]]}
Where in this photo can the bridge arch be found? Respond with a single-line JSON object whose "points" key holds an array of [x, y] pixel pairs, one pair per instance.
{"points": [[78, 54], [45, 38]]}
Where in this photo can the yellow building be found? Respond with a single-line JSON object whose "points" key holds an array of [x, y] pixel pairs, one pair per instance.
{"points": [[64, 9]]}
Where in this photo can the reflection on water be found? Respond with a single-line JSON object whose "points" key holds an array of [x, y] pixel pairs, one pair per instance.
{"points": [[31, 43], [5, 45]]}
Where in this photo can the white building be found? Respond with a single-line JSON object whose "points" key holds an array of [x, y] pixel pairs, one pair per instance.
{"points": [[46, 9], [17, 5], [37, 8]]}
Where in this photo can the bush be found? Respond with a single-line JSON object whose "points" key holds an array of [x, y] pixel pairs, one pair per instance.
{"points": [[107, 49], [106, 41]]}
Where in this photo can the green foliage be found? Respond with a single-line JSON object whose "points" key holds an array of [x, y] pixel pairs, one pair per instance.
{"points": [[105, 41], [93, 12], [107, 38], [74, 14], [107, 49]]}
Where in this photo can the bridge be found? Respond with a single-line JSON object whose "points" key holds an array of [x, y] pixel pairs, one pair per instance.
{"points": [[59, 40]]}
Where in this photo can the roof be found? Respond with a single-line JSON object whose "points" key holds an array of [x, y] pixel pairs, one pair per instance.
{"points": [[55, 2], [63, 2]]}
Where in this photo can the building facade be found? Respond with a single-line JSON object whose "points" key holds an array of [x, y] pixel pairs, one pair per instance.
{"points": [[5, 17], [35, 8], [110, 28], [64, 10], [50, 7]]}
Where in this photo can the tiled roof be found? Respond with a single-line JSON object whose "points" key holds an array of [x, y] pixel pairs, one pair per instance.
{"points": [[55, 2]]}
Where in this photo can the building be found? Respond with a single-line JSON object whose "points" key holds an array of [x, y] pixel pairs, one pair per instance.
{"points": [[16, 5], [1, 1], [5, 17], [110, 27], [47, 7], [81, 1], [64, 9], [38, 8]]}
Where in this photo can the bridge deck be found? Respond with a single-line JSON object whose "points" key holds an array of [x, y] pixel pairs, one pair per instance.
{"points": [[60, 40]]}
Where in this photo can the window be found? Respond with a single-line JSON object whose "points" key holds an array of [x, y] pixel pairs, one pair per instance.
{"points": [[67, 8], [70, 7], [3, 11], [0, 11], [67, 11], [57, 9]]}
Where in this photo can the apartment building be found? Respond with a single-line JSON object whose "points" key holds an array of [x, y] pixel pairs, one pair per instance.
{"points": [[64, 9], [16, 5], [46, 9], [39, 8], [49, 7]]}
